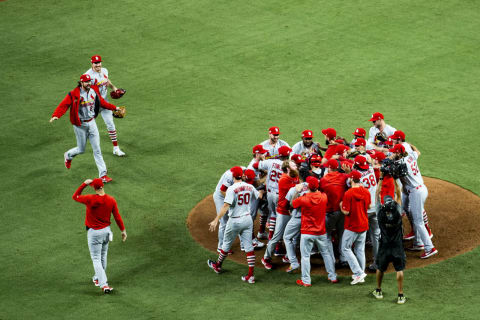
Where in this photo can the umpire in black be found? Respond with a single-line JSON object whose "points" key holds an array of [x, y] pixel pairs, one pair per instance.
{"points": [[390, 248]]}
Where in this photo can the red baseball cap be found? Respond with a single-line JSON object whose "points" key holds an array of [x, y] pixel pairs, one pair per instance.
{"points": [[250, 176], [237, 172], [398, 135], [96, 59], [347, 163], [398, 148], [259, 149], [284, 151], [97, 183], [332, 164], [297, 158], [316, 160], [330, 133], [379, 156], [85, 78], [371, 151], [360, 132], [361, 162], [274, 130], [341, 148], [312, 182], [307, 134], [356, 175], [389, 142], [360, 142], [376, 116]]}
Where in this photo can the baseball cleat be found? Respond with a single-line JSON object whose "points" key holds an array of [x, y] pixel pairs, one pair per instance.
{"points": [[257, 244], [106, 179], [290, 269], [377, 294], [428, 254], [107, 289], [267, 264], [334, 281], [249, 279], [213, 266], [409, 236], [303, 284], [358, 279], [353, 277], [68, 163], [416, 248], [118, 152], [285, 259], [95, 282], [401, 300], [262, 235]]}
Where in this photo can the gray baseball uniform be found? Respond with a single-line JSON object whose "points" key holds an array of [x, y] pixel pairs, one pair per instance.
{"points": [[101, 80], [389, 130], [240, 223], [417, 193], [300, 148], [369, 181], [88, 131], [225, 181], [273, 149]]}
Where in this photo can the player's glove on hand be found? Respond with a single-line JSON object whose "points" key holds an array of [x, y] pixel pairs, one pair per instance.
{"points": [[380, 137], [117, 94], [120, 113]]}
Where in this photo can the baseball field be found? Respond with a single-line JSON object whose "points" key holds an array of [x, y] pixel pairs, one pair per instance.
{"points": [[205, 80]]}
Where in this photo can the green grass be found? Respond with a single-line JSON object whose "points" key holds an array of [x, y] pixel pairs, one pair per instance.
{"points": [[205, 79]]}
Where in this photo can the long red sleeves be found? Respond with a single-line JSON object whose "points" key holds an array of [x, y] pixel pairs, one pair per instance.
{"points": [[99, 209]]}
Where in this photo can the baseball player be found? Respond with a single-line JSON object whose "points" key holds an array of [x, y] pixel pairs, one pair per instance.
{"points": [[379, 127], [399, 138], [273, 167], [391, 247], [84, 102], [369, 181], [100, 78], [288, 180], [414, 203], [354, 206], [240, 223], [334, 184], [306, 147], [219, 198], [273, 144], [259, 205], [313, 207], [361, 133], [292, 229], [100, 206], [330, 135]]}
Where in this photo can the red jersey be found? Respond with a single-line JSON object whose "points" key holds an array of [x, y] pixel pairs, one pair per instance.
{"points": [[334, 184], [99, 209], [284, 184], [332, 149], [313, 207], [356, 201], [388, 187]]}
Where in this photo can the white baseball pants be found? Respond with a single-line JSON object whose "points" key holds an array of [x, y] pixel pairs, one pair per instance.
{"points": [[291, 233], [307, 241], [98, 246], [355, 261]]}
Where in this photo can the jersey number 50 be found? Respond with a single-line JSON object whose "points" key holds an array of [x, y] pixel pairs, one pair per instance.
{"points": [[243, 198]]}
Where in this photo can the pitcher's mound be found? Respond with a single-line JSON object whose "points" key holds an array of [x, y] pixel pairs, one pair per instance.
{"points": [[453, 213]]}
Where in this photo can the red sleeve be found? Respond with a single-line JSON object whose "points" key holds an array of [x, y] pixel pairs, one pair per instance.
{"points": [[368, 199], [116, 216], [297, 202], [346, 202], [255, 165], [77, 196], [106, 104], [63, 106], [223, 188]]}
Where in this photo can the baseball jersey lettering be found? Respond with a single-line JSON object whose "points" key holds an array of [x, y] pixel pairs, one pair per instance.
{"points": [[413, 179], [86, 109], [238, 196], [274, 172]]}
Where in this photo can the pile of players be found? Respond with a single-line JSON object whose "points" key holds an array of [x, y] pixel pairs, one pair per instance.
{"points": [[328, 198]]}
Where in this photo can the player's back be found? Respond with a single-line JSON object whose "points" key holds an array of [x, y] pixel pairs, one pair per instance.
{"points": [[240, 195], [274, 172], [369, 181], [414, 178]]}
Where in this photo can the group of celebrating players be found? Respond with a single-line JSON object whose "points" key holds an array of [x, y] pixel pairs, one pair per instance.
{"points": [[326, 199]]}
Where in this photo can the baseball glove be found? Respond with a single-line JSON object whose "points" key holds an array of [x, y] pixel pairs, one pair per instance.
{"points": [[117, 94], [120, 113], [380, 138]]}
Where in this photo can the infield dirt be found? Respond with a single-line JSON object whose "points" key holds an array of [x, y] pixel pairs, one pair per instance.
{"points": [[451, 210]]}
